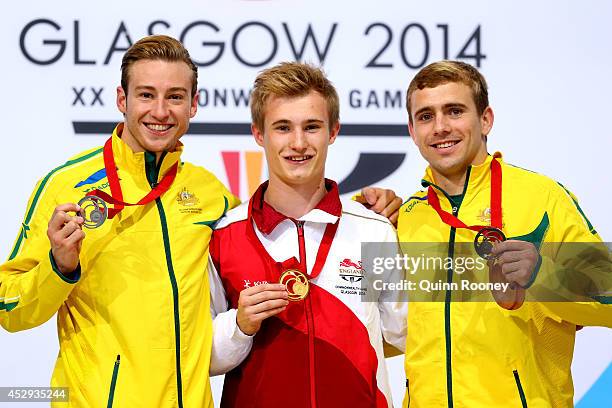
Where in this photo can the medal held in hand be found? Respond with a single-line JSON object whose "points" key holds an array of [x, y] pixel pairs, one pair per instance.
{"points": [[486, 239], [93, 210], [296, 283]]}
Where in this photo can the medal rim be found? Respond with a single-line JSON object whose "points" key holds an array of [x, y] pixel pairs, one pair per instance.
{"points": [[292, 296], [481, 233], [96, 201]]}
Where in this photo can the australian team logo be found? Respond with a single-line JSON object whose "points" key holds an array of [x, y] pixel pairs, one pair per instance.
{"points": [[485, 216], [188, 202], [351, 271], [186, 198]]}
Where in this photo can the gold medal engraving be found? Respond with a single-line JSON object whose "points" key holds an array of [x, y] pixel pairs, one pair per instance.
{"points": [[296, 283]]}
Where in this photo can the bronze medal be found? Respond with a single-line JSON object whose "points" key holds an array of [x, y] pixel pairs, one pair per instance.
{"points": [[486, 238], [296, 283]]}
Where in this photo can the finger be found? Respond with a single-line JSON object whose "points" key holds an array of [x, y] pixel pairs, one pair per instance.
{"points": [[58, 220], [68, 229], [263, 287], [392, 207], [75, 239], [268, 313], [266, 296], [247, 300], [511, 245], [383, 198], [393, 218], [67, 207], [369, 193], [511, 267], [265, 306], [517, 277], [510, 256]]}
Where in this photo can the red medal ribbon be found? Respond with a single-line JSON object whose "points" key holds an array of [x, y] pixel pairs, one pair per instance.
{"points": [[322, 252], [116, 196], [496, 202]]}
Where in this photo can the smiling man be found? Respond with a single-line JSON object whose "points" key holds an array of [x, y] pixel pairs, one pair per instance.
{"points": [[287, 264], [488, 353], [134, 327]]}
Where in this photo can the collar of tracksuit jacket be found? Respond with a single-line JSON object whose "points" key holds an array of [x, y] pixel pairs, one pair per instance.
{"points": [[327, 211], [138, 164], [478, 178]]}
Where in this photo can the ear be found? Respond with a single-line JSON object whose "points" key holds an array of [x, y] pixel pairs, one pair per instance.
{"points": [[257, 135], [334, 133], [121, 100], [486, 121], [193, 109]]}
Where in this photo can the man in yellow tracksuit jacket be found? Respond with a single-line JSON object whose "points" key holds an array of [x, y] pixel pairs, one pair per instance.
{"points": [[132, 297], [478, 354]]}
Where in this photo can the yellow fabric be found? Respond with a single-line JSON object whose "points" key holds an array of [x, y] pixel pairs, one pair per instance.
{"points": [[487, 344], [123, 304]]}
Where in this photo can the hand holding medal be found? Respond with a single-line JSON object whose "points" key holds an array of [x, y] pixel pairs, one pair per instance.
{"points": [[94, 211], [65, 237], [257, 303], [490, 242]]}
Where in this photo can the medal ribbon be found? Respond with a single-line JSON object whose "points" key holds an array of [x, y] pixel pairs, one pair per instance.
{"points": [[116, 196], [322, 252], [496, 201], [324, 246]]}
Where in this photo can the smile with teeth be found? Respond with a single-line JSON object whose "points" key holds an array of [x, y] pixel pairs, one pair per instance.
{"points": [[157, 127], [445, 145], [298, 158]]}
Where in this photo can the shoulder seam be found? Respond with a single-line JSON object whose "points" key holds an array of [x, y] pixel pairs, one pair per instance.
{"points": [[385, 221]]}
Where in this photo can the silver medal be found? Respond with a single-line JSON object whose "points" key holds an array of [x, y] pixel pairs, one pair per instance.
{"points": [[93, 210]]}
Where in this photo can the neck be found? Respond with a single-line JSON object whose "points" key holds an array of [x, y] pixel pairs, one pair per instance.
{"points": [[294, 201], [453, 184], [125, 135]]}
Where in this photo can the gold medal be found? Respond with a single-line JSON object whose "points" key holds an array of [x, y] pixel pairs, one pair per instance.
{"points": [[296, 283]]}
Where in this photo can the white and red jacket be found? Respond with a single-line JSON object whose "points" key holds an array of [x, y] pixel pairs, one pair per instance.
{"points": [[323, 351]]}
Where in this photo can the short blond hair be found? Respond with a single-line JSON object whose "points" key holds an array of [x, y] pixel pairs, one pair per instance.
{"points": [[292, 79], [443, 72], [157, 47]]}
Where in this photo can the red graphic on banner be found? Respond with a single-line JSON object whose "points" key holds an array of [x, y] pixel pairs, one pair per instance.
{"points": [[253, 165]]}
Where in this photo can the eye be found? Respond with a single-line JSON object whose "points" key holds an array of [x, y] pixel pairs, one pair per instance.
{"points": [[424, 117], [176, 97], [146, 95], [282, 128], [455, 111], [313, 127]]}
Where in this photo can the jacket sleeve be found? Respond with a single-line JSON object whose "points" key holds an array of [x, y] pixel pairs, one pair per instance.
{"points": [[393, 304], [32, 288], [230, 345], [576, 265]]}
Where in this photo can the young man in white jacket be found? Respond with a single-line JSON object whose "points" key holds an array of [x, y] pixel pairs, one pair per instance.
{"points": [[297, 321]]}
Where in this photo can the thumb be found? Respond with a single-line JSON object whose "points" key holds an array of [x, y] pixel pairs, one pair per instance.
{"points": [[369, 194]]}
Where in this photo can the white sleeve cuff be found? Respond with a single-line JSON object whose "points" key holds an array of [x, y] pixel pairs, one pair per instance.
{"points": [[230, 345]]}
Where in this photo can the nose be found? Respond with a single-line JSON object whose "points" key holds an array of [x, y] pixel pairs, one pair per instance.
{"points": [[298, 140], [160, 110], [441, 125]]}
